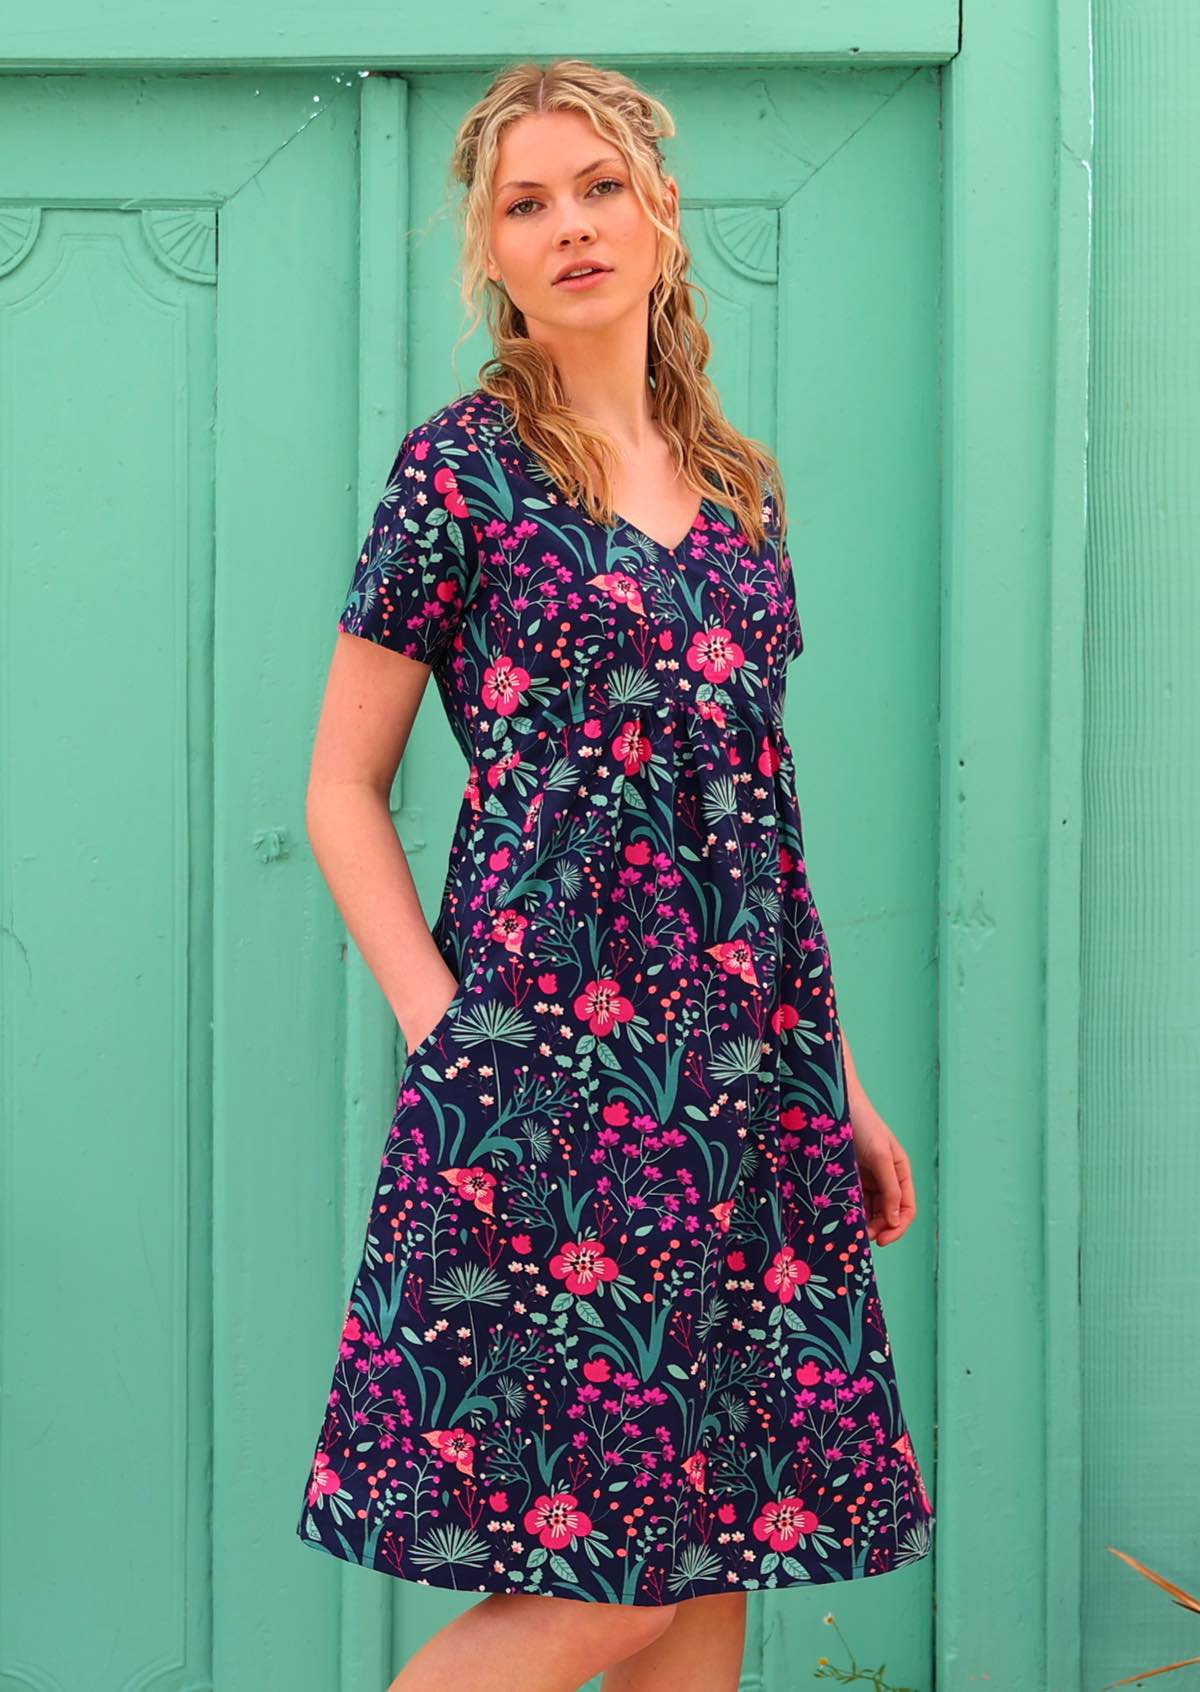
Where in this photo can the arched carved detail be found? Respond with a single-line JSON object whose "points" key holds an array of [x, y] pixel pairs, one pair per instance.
{"points": [[19, 229], [747, 239], [184, 240]]}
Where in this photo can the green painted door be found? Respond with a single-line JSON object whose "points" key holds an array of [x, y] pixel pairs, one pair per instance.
{"points": [[222, 302]]}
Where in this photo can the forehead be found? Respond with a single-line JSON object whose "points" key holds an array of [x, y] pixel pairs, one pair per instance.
{"points": [[544, 147]]}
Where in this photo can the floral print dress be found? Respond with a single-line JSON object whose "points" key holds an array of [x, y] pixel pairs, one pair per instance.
{"points": [[615, 1335]]}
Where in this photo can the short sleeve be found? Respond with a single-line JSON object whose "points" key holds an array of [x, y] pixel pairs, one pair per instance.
{"points": [[413, 573], [793, 633]]}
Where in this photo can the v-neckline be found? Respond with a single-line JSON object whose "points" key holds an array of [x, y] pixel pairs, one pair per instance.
{"points": [[619, 520], [622, 522]]}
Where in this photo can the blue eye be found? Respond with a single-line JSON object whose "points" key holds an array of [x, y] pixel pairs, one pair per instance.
{"points": [[614, 180]]}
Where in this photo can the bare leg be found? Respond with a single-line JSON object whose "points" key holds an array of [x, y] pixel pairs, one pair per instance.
{"points": [[701, 1651], [511, 1640]]}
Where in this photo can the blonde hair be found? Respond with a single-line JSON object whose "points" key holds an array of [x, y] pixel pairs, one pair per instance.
{"points": [[579, 456]]}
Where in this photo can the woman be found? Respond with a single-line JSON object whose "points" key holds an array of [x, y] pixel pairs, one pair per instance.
{"points": [[615, 1340]]}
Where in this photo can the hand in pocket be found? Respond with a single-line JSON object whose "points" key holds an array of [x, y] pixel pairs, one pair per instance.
{"points": [[435, 1027]]}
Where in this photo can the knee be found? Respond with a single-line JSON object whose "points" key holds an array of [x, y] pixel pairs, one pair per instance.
{"points": [[645, 1621], [632, 1626]]}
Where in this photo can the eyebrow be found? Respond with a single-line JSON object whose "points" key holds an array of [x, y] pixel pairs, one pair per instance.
{"points": [[608, 158]]}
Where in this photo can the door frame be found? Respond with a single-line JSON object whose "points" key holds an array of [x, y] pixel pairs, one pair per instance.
{"points": [[1017, 173]]}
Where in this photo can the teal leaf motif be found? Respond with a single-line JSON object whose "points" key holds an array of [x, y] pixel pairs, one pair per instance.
{"points": [[493, 1023], [631, 688], [450, 1546], [738, 1060], [696, 1564], [721, 800], [470, 1283]]}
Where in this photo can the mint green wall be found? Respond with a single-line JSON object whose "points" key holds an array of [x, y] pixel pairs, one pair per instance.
{"points": [[1140, 979], [197, 1068]]}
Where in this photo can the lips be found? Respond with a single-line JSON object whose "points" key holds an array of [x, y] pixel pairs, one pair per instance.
{"points": [[563, 274]]}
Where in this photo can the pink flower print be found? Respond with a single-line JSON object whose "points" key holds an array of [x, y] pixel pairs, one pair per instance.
{"points": [[727, 1515], [809, 1374], [472, 789], [510, 927], [637, 852], [531, 817], [454, 1445], [621, 589], [476, 1184], [736, 1260], [522, 1244], [716, 653], [352, 1329], [768, 760], [787, 1272], [498, 1501], [694, 1468], [736, 957], [547, 982], [722, 1212], [783, 1522], [557, 1520], [583, 1265], [597, 1370], [604, 1005], [784, 1017], [446, 483], [711, 711], [504, 685], [324, 1479], [794, 1118], [498, 770], [632, 747], [904, 1446]]}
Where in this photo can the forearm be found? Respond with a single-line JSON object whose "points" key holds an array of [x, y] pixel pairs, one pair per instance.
{"points": [[366, 868], [855, 1092]]}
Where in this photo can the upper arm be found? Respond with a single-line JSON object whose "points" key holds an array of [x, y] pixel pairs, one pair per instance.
{"points": [[370, 704], [402, 611]]}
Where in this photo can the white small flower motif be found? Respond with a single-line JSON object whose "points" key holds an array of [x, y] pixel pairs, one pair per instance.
{"points": [[738, 1323], [464, 1358], [541, 1289], [463, 1333], [518, 1545]]}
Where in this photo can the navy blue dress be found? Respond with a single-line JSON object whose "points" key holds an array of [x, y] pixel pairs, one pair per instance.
{"points": [[616, 1333]]}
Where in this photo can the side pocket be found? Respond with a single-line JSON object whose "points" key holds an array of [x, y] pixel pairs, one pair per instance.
{"points": [[447, 1018]]}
